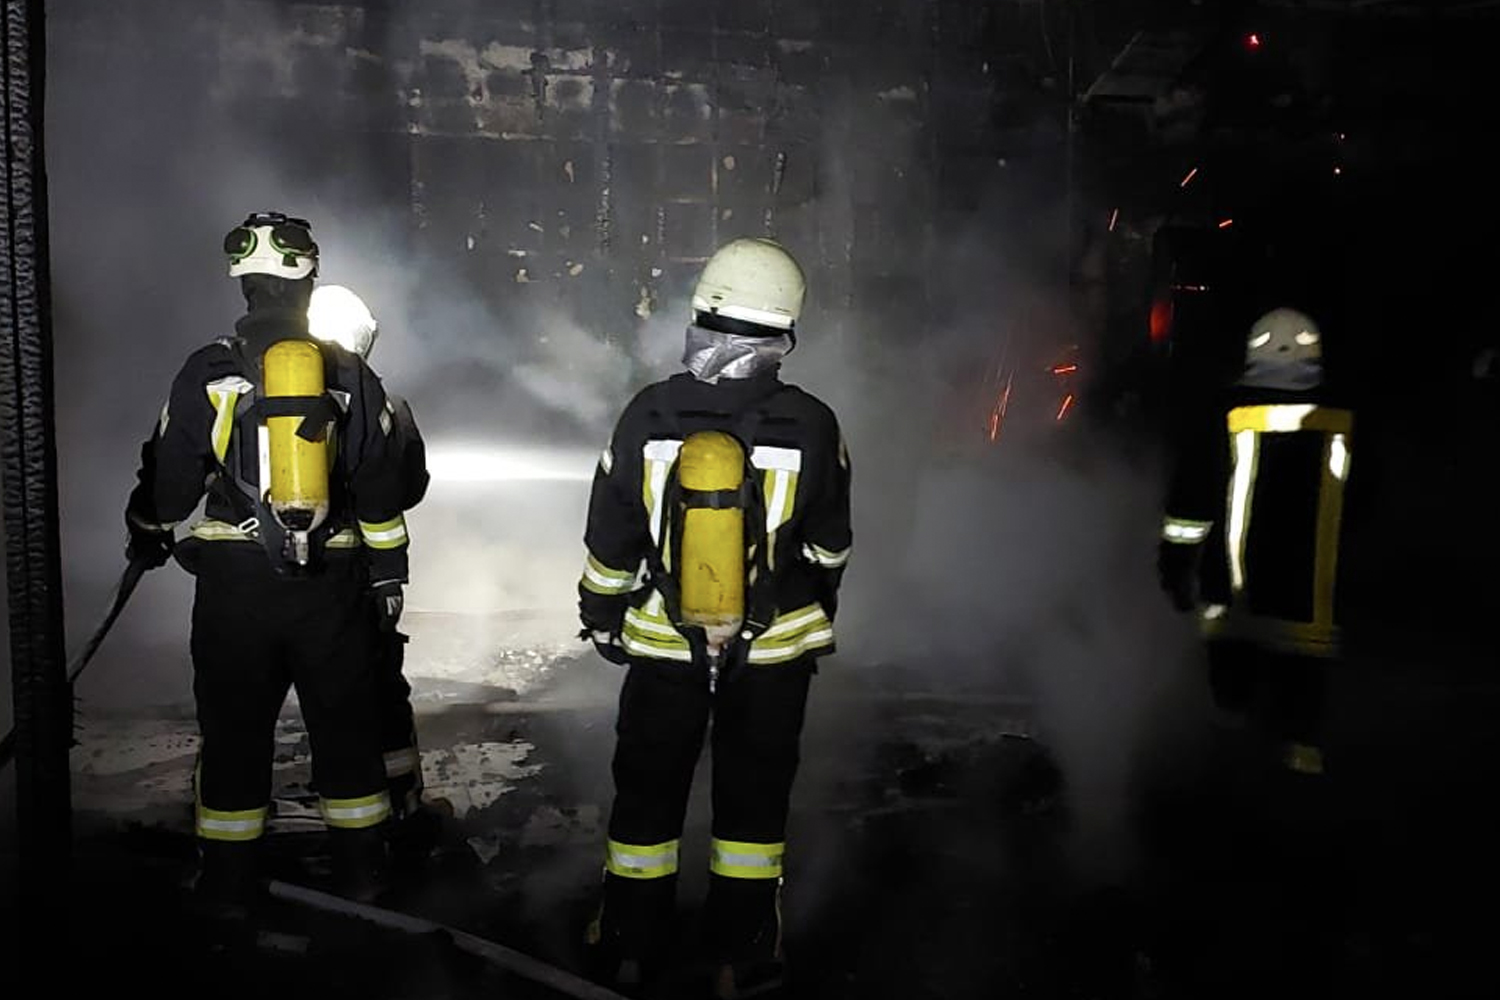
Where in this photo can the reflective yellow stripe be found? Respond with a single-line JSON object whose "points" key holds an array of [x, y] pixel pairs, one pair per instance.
{"points": [[791, 634], [789, 622], [239, 824], [401, 762], [223, 393], [356, 814], [601, 579], [648, 633], [643, 861], [223, 421], [211, 530], [1338, 456], [780, 491], [1330, 521], [384, 534], [1304, 758], [657, 457], [217, 531], [1184, 531], [1285, 417], [738, 859], [1246, 445], [827, 558], [779, 487]]}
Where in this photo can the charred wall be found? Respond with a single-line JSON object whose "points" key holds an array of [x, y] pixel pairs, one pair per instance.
{"points": [[591, 153]]}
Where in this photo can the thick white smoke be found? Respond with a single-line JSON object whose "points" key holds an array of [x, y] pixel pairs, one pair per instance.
{"points": [[1010, 564]]}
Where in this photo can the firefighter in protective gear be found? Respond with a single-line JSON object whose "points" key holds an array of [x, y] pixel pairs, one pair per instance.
{"points": [[337, 315], [718, 532], [291, 441], [1251, 538]]}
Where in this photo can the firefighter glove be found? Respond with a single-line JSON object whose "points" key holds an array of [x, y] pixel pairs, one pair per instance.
{"points": [[150, 546], [607, 643], [389, 602], [1177, 570], [601, 613]]}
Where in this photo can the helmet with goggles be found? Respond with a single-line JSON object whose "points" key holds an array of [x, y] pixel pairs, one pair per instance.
{"points": [[272, 243]]}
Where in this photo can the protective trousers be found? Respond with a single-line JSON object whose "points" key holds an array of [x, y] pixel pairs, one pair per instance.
{"points": [[1282, 695], [254, 636], [398, 731], [665, 711]]}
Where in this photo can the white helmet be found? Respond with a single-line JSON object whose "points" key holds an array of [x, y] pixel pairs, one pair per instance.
{"points": [[272, 243], [1284, 350], [337, 315], [754, 281], [1287, 333]]}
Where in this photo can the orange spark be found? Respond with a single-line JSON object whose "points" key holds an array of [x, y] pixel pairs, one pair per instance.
{"points": [[1188, 179], [1064, 369], [1067, 404], [997, 415], [1113, 218], [1226, 223]]}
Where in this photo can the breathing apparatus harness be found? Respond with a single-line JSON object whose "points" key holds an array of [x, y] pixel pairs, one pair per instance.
{"points": [[294, 549], [760, 601]]}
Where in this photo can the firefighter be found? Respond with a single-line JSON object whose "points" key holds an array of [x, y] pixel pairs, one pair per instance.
{"points": [[1252, 533], [337, 314], [717, 534], [291, 441]]}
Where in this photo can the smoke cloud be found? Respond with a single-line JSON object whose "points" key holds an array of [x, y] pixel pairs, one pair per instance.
{"points": [[1007, 560]]}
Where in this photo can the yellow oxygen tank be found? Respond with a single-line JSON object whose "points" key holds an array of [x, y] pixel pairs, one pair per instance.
{"points": [[298, 467], [712, 561]]}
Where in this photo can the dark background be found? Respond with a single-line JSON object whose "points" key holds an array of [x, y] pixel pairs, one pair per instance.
{"points": [[978, 189]]}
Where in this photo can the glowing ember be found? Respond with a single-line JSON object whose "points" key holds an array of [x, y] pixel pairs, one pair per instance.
{"points": [[997, 415]]}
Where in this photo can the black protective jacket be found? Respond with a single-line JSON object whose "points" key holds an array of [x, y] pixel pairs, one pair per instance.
{"points": [[804, 477], [206, 432], [411, 453], [1258, 488]]}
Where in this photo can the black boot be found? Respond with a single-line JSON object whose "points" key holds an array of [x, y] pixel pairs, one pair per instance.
{"points": [[359, 862], [744, 924], [632, 932], [414, 836], [227, 884]]}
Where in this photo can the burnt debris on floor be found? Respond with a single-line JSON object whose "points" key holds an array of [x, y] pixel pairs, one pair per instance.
{"points": [[936, 860]]}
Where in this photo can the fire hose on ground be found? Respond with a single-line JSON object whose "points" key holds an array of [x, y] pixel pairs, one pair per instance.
{"points": [[496, 954]]}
